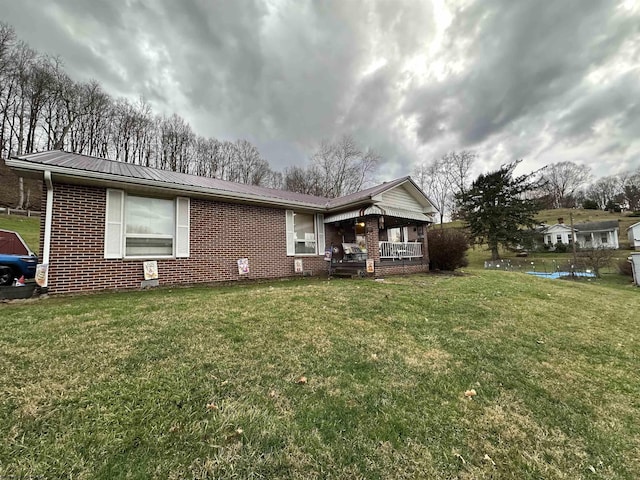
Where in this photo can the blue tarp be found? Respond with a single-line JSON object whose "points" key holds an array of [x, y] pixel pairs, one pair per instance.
{"points": [[562, 274]]}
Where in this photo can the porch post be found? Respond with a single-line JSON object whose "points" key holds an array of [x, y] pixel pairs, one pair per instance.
{"points": [[372, 238], [425, 245]]}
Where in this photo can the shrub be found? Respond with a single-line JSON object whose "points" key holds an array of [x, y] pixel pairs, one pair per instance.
{"points": [[595, 258], [447, 249], [561, 247], [590, 205], [624, 267]]}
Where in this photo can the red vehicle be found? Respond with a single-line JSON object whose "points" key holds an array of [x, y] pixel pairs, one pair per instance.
{"points": [[16, 259]]}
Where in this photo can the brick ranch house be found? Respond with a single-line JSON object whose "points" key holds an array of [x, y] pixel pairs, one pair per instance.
{"points": [[104, 219]]}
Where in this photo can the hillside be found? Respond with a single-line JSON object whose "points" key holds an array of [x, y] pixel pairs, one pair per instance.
{"points": [[579, 215], [9, 189]]}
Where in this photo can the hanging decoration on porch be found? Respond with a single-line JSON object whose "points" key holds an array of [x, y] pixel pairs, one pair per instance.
{"points": [[243, 266]]}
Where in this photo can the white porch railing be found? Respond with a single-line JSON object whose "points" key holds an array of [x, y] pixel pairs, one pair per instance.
{"points": [[400, 250]]}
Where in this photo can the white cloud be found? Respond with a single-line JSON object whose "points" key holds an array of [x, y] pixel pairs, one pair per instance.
{"points": [[545, 82]]}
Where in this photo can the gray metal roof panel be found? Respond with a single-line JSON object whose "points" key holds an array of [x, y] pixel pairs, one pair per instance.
{"points": [[98, 165], [595, 226]]}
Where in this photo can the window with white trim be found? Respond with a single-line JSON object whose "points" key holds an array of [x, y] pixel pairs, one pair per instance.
{"points": [[146, 227], [305, 233]]}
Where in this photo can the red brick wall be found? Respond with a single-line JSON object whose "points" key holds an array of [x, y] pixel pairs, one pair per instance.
{"points": [[220, 234], [397, 268]]}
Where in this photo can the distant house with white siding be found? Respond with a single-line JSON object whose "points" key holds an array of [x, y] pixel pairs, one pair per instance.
{"points": [[633, 232], [586, 234]]}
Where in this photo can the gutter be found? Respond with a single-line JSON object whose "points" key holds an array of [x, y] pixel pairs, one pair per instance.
{"points": [[46, 248]]}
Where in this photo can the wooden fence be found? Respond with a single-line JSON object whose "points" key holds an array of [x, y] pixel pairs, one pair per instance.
{"points": [[15, 211]]}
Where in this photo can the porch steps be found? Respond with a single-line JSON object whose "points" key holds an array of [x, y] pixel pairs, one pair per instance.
{"points": [[348, 273]]}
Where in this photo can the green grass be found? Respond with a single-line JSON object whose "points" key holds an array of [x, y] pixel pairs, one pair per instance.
{"points": [[27, 227], [117, 385]]}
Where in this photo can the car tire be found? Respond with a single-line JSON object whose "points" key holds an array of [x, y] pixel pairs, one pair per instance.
{"points": [[6, 276]]}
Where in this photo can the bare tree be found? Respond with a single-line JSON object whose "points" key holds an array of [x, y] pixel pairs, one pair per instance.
{"points": [[436, 182], [562, 180], [303, 180], [7, 45], [458, 165], [595, 258], [252, 168], [604, 190], [631, 190], [337, 168]]}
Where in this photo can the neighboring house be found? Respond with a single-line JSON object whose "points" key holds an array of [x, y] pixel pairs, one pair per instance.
{"points": [[104, 219], [586, 234], [633, 232]]}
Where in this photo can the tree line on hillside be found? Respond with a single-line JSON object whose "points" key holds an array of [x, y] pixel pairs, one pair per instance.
{"points": [[43, 108], [558, 185]]}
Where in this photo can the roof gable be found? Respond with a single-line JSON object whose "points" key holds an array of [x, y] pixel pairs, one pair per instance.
{"points": [[403, 190], [558, 227], [401, 197]]}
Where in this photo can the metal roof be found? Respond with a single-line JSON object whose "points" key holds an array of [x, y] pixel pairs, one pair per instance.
{"points": [[94, 167], [596, 226], [85, 168]]}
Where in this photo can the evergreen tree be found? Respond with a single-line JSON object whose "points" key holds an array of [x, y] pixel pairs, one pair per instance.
{"points": [[496, 208]]}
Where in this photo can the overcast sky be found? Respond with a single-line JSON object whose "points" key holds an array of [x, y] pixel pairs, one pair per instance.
{"points": [[541, 80]]}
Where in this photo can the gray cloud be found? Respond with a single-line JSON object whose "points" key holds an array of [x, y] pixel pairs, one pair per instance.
{"points": [[546, 82]]}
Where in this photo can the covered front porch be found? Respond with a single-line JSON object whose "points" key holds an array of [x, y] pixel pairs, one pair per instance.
{"points": [[387, 238]]}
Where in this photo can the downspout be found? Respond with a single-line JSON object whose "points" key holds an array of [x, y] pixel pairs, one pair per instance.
{"points": [[46, 248]]}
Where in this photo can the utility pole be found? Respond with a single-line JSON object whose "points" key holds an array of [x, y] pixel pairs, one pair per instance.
{"points": [[573, 242]]}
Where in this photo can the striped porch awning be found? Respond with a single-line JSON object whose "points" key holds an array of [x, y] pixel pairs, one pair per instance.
{"points": [[378, 210]]}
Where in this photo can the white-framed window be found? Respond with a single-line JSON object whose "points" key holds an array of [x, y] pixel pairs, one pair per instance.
{"points": [[570, 237], [305, 233], [604, 238], [398, 234], [146, 227], [558, 238]]}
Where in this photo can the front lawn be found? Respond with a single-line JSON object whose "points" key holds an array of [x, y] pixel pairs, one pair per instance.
{"points": [[207, 382]]}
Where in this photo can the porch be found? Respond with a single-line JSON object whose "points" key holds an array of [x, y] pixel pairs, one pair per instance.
{"points": [[391, 242]]}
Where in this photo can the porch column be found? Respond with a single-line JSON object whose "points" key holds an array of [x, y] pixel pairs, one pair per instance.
{"points": [[372, 238], [425, 245]]}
